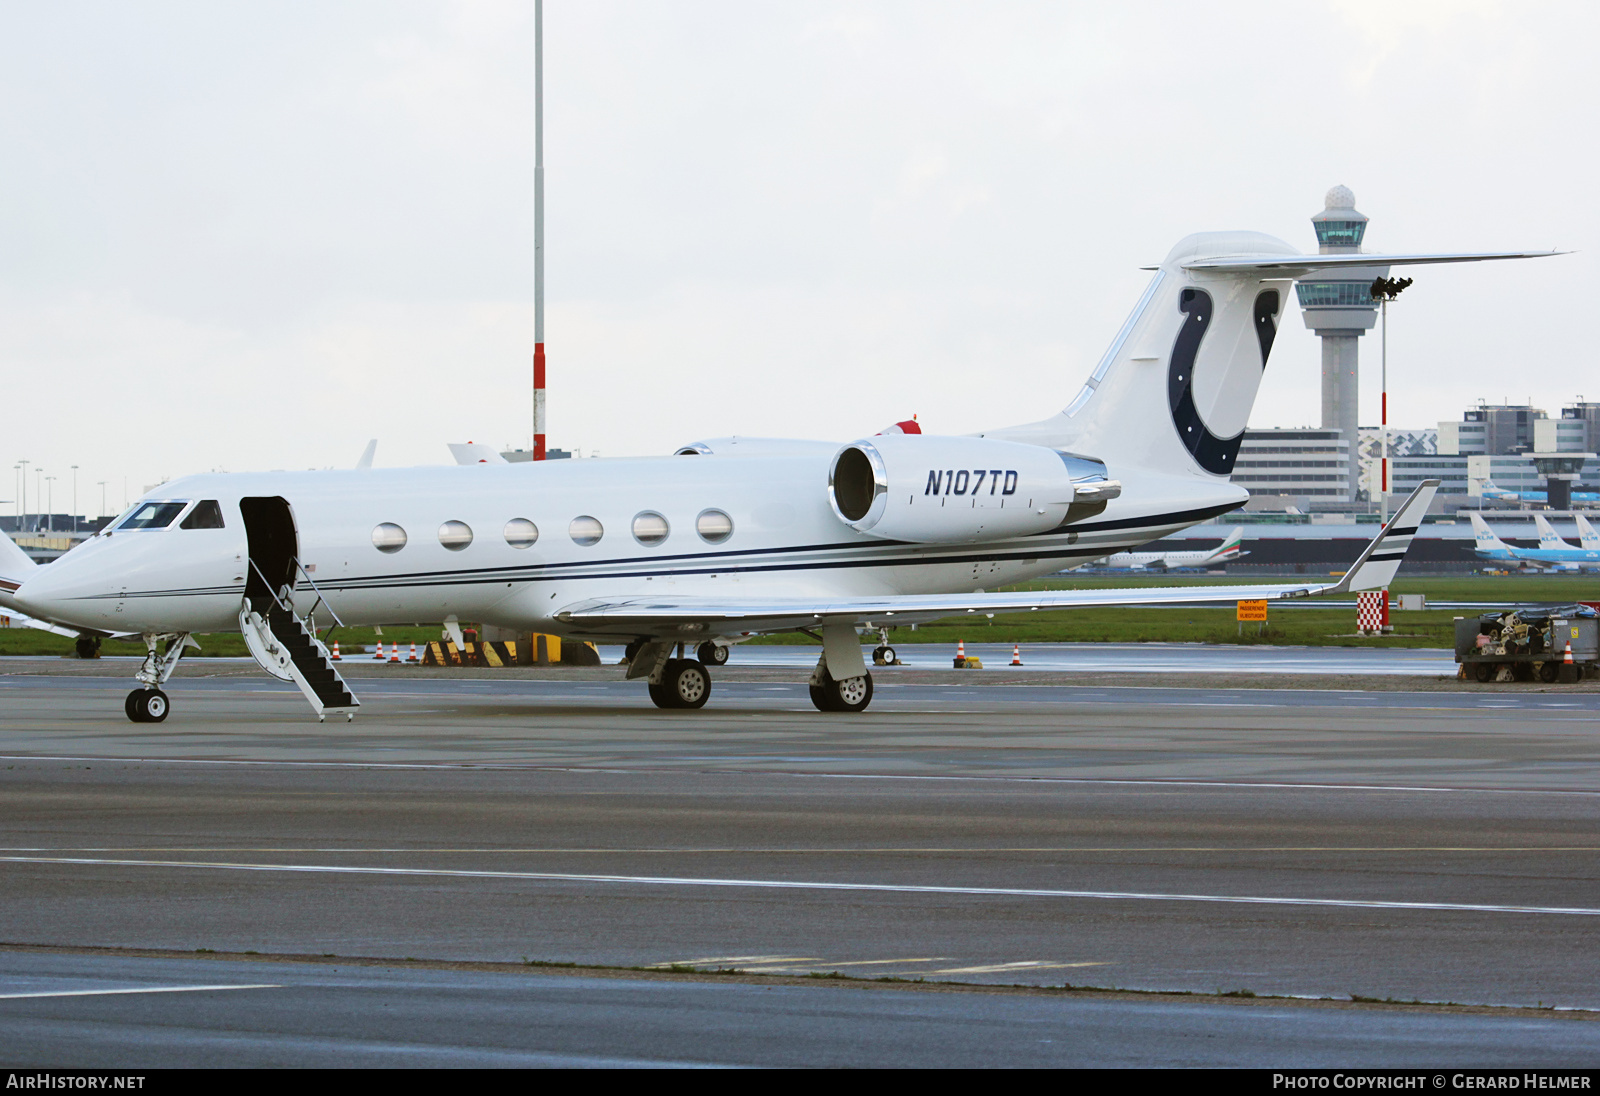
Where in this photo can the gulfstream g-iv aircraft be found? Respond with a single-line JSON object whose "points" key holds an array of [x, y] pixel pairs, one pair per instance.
{"points": [[730, 537]]}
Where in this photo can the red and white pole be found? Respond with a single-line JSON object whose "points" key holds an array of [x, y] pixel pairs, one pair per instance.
{"points": [[538, 229]]}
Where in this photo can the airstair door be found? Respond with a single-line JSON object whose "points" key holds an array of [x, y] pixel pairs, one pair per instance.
{"points": [[283, 643]]}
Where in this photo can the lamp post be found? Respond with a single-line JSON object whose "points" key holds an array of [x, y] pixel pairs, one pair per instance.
{"points": [[50, 504], [102, 485], [22, 466], [74, 498], [1385, 290]]}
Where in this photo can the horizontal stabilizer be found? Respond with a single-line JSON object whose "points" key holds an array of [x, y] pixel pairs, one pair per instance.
{"points": [[1292, 266]]}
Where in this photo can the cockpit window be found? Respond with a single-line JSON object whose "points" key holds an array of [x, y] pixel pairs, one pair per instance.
{"points": [[205, 515], [152, 515]]}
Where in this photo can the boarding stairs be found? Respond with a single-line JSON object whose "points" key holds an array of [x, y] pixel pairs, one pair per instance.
{"points": [[287, 647]]}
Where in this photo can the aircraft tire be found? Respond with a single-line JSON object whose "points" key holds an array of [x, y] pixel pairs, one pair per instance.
{"points": [[687, 683], [659, 696], [851, 695], [711, 654], [147, 706]]}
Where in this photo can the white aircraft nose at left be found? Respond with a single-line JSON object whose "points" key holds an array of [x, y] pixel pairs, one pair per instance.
{"points": [[133, 578]]}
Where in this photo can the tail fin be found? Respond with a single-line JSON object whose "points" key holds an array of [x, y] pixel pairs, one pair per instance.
{"points": [[1548, 537], [1230, 547], [1175, 389], [15, 566], [1486, 539], [1586, 534], [1377, 566]]}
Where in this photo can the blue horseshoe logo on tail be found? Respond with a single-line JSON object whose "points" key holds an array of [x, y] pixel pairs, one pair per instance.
{"points": [[1210, 452]]}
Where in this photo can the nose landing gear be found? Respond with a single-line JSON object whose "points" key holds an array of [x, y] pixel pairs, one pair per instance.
{"points": [[148, 704]]}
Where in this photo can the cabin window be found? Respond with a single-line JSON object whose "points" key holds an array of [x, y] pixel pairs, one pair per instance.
{"points": [[586, 530], [521, 533], [713, 526], [650, 528], [205, 515], [152, 515], [455, 535], [388, 537]]}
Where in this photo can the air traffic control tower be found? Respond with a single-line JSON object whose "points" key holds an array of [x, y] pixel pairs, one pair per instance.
{"points": [[1339, 308]]}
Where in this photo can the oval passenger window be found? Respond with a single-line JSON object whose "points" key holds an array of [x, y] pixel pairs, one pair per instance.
{"points": [[586, 530], [521, 533], [650, 528], [455, 535], [389, 537], [713, 526]]}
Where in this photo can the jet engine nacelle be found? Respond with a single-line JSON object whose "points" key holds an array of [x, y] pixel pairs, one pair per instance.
{"points": [[945, 490]]}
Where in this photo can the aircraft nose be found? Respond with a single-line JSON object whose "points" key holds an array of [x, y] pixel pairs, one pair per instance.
{"points": [[60, 596]]}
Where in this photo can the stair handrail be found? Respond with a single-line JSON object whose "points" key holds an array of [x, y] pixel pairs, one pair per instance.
{"points": [[273, 594], [321, 600], [288, 606]]}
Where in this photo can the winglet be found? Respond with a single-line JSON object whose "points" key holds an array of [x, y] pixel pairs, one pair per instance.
{"points": [[367, 454], [1376, 567]]}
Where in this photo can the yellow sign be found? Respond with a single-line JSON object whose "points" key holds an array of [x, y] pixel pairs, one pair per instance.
{"points": [[1252, 610]]}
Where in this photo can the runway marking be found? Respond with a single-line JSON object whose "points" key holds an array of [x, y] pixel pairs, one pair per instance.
{"points": [[790, 884], [115, 992], [798, 851], [598, 770], [736, 959], [1030, 964]]}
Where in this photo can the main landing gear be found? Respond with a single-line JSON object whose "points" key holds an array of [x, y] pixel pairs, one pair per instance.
{"points": [[148, 704], [853, 694], [678, 682], [685, 683]]}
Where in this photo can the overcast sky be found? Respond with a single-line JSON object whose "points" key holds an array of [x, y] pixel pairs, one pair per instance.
{"points": [[248, 236]]}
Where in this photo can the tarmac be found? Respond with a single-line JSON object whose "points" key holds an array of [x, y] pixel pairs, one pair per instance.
{"points": [[397, 887]]}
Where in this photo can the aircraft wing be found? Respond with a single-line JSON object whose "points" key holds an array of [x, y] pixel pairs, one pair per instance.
{"points": [[1373, 570], [12, 619]]}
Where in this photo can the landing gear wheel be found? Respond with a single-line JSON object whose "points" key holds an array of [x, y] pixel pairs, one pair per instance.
{"points": [[711, 654], [883, 656], [146, 705], [686, 683], [87, 646], [659, 696], [1484, 671], [853, 694]]}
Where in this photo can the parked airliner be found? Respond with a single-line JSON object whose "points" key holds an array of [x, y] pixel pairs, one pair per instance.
{"points": [[1552, 554], [729, 537]]}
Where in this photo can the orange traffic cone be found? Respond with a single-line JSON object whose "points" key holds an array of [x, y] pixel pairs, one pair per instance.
{"points": [[1566, 656], [379, 655], [336, 657], [394, 653], [1016, 654], [413, 657], [961, 655]]}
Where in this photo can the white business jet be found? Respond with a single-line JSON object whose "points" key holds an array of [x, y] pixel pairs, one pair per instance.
{"points": [[1230, 549], [729, 537]]}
